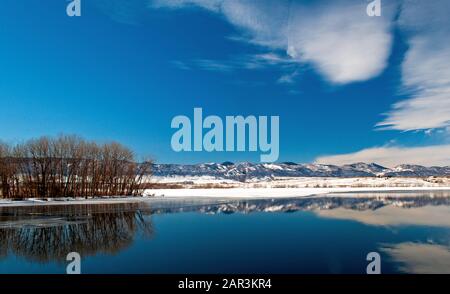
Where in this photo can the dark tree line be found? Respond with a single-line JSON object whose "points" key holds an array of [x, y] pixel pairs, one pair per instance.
{"points": [[69, 166]]}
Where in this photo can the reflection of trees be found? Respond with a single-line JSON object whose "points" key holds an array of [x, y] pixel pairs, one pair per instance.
{"points": [[86, 229]]}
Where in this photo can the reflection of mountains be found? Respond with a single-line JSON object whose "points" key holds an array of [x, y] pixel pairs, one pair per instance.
{"points": [[345, 201], [50, 233], [379, 209]]}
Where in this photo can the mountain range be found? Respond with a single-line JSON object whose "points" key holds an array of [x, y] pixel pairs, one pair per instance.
{"points": [[246, 170]]}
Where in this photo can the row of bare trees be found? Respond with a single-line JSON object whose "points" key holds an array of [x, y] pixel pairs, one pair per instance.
{"points": [[69, 166]]}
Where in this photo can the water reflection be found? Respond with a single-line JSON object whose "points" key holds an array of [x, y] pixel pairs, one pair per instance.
{"points": [[331, 206], [420, 258], [48, 233], [394, 216]]}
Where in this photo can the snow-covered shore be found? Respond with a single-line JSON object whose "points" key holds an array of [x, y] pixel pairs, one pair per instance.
{"points": [[301, 182], [276, 192], [70, 201], [219, 193], [288, 188]]}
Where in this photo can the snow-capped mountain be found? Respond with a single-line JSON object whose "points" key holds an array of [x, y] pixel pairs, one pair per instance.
{"points": [[245, 170]]}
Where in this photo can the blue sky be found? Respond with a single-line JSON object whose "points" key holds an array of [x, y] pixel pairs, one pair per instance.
{"points": [[366, 89]]}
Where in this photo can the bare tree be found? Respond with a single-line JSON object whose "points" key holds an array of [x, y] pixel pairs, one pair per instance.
{"points": [[69, 166]]}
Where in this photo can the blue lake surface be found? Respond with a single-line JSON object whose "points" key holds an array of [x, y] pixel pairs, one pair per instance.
{"points": [[332, 234]]}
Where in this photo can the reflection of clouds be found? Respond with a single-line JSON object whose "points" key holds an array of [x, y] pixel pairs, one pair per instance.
{"points": [[393, 215], [420, 258], [413, 196]]}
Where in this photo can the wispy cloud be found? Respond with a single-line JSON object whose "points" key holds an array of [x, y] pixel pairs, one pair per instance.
{"points": [[336, 37], [392, 156], [213, 65], [344, 45], [180, 64], [204, 64], [239, 62], [288, 78], [426, 68], [213, 5]]}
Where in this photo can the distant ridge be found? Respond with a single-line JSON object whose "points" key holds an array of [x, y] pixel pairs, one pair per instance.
{"points": [[245, 170]]}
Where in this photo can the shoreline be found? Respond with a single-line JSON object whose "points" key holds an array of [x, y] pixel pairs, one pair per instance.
{"points": [[245, 193], [218, 194]]}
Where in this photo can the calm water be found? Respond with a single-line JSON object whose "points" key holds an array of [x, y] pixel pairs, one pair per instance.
{"points": [[330, 234]]}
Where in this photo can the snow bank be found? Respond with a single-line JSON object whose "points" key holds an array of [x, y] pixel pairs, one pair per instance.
{"points": [[275, 192]]}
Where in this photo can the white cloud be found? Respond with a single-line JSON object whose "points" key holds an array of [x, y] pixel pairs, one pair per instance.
{"points": [[335, 36], [341, 41], [426, 68], [392, 156], [344, 45]]}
